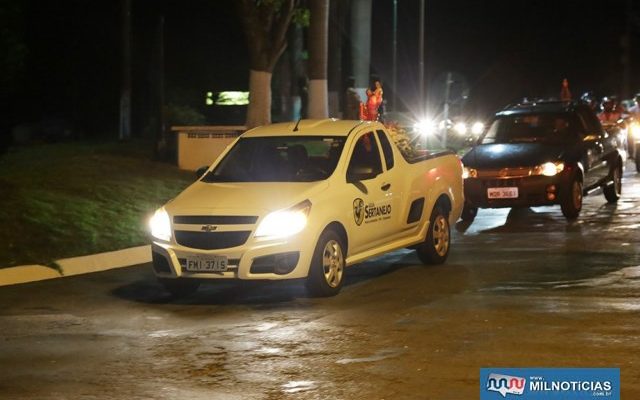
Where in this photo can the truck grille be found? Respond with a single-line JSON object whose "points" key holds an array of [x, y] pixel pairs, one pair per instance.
{"points": [[211, 240], [214, 219]]}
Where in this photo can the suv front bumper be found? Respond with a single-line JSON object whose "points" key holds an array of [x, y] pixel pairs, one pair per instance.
{"points": [[536, 190]]}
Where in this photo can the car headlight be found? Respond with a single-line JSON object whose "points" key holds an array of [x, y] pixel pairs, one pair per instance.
{"points": [[469, 173], [160, 225], [549, 169], [635, 130], [460, 128], [283, 223], [477, 128]]}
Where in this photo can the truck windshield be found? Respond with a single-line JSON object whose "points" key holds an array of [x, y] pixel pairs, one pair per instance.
{"points": [[279, 159], [542, 127]]}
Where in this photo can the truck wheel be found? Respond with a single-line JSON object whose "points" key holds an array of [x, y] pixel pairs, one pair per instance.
{"points": [[612, 192], [326, 272], [469, 212], [435, 248], [637, 154], [571, 202], [179, 287]]}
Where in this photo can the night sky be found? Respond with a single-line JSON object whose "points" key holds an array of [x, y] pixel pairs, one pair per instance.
{"points": [[499, 50]]}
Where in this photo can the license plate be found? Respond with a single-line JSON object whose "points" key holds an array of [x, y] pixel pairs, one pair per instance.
{"points": [[502, 193], [206, 264]]}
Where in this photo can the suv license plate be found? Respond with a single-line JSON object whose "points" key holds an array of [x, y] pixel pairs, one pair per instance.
{"points": [[206, 264], [502, 193]]}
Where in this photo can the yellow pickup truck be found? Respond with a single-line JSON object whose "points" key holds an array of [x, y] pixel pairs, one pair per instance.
{"points": [[303, 201]]}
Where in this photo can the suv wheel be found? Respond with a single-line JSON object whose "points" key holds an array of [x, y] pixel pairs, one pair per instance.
{"points": [[469, 212], [613, 191], [571, 202]]}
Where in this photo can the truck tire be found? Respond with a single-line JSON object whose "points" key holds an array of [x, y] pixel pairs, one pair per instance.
{"points": [[613, 191], [469, 212], [435, 248], [180, 287], [571, 200], [326, 272], [637, 159]]}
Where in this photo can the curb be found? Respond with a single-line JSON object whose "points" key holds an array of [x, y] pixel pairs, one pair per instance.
{"points": [[76, 266]]}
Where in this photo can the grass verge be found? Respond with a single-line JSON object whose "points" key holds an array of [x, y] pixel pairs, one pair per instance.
{"points": [[73, 199]]}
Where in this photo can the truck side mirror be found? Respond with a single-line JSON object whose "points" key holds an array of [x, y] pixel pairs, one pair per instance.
{"points": [[201, 171]]}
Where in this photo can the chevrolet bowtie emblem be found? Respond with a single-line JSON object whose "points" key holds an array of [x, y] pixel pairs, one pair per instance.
{"points": [[208, 228]]}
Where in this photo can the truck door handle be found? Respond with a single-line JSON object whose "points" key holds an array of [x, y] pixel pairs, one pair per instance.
{"points": [[386, 186]]}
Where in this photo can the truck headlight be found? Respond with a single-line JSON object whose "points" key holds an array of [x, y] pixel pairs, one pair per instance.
{"points": [[283, 223], [549, 169], [160, 225], [469, 173]]}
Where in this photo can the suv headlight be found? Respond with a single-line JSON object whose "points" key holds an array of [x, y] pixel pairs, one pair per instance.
{"points": [[549, 169], [160, 225], [469, 173], [283, 223]]}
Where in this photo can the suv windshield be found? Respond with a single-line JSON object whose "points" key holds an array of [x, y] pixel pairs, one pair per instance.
{"points": [[542, 127], [279, 159]]}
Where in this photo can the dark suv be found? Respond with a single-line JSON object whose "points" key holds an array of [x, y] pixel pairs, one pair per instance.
{"points": [[542, 153]]}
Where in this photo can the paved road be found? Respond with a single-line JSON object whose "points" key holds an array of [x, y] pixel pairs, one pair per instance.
{"points": [[521, 289]]}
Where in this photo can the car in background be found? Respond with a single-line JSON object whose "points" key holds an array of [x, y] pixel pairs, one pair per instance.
{"points": [[542, 153], [633, 129]]}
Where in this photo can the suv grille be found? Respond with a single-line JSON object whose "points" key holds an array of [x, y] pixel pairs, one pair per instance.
{"points": [[503, 182]]}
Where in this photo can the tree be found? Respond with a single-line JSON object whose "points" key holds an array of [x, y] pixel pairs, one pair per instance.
{"points": [[318, 28], [265, 24]]}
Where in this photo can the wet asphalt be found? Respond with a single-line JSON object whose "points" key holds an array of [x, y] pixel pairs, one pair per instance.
{"points": [[521, 288]]}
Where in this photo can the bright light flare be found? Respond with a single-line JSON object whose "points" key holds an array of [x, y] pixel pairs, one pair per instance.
{"points": [[160, 225], [635, 130], [284, 223], [425, 127], [477, 128], [549, 169], [460, 128]]}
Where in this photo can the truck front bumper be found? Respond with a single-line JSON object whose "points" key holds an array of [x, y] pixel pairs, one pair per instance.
{"points": [[257, 259]]}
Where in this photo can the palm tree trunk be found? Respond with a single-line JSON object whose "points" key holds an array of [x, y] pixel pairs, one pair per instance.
{"points": [[259, 110], [318, 29], [361, 41]]}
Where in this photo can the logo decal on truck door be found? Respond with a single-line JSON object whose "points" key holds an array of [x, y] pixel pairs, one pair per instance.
{"points": [[358, 211]]}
